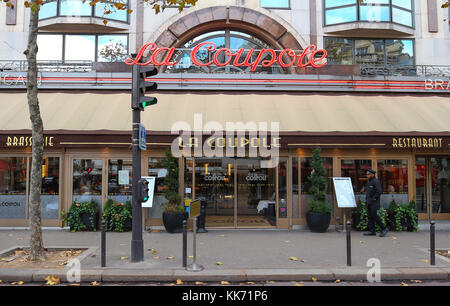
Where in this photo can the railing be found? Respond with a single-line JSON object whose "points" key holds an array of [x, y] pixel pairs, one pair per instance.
{"points": [[366, 70], [406, 70], [47, 66]]}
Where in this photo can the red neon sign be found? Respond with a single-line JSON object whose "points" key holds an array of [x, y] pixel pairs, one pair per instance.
{"points": [[286, 58]]}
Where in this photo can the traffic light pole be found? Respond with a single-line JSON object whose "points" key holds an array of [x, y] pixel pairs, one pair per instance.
{"points": [[137, 243]]}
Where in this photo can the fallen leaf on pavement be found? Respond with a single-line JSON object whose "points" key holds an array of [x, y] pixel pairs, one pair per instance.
{"points": [[156, 257], [293, 258], [199, 283], [338, 281], [224, 283], [170, 257], [303, 260], [179, 282], [250, 283], [394, 238], [417, 281], [298, 285], [51, 280], [18, 283], [287, 241], [362, 242], [191, 256], [425, 260], [154, 252], [219, 263], [314, 279], [123, 258], [222, 235], [95, 283], [271, 282], [154, 231], [405, 284], [74, 284]]}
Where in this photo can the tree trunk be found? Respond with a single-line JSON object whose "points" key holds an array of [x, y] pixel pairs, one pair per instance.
{"points": [[36, 244]]}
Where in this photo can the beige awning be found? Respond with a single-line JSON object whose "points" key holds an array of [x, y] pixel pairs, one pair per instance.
{"points": [[295, 112]]}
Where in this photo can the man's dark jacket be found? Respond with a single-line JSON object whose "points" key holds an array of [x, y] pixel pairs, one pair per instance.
{"points": [[373, 192]]}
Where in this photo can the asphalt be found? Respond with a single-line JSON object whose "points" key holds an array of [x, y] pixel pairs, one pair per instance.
{"points": [[242, 255]]}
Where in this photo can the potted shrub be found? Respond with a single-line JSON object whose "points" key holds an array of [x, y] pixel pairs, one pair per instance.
{"points": [[83, 216], [394, 217], [117, 216], [410, 219], [360, 216], [174, 213], [318, 215]]}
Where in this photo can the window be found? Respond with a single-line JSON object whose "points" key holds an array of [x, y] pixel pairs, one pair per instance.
{"points": [[393, 176], [356, 170], [278, 4], [81, 47], [79, 8], [156, 169], [13, 182], [232, 40], [345, 11], [87, 180], [120, 180], [392, 52]]}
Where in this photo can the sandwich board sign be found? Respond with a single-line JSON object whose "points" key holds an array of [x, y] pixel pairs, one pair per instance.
{"points": [[151, 189], [194, 209], [343, 189]]}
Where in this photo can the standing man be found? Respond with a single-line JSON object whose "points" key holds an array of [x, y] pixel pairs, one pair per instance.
{"points": [[373, 194]]}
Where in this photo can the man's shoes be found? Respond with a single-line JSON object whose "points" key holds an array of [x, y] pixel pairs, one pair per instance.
{"points": [[370, 234], [383, 232]]}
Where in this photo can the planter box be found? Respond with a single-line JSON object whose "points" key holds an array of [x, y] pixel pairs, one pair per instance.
{"points": [[173, 222]]}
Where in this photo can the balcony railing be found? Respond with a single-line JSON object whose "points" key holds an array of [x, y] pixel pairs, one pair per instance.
{"points": [[406, 70], [436, 71], [47, 66]]}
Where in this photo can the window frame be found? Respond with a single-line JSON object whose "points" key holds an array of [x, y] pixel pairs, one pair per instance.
{"points": [[358, 5], [96, 35], [92, 15]]}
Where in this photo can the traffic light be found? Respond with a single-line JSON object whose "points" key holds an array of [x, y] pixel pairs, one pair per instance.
{"points": [[143, 190], [141, 87]]}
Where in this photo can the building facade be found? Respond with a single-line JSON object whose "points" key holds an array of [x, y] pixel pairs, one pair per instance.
{"points": [[246, 89]]}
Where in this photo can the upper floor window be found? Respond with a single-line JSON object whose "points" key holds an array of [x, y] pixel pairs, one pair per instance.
{"points": [[377, 52], [277, 4], [106, 9], [82, 47], [345, 11]]}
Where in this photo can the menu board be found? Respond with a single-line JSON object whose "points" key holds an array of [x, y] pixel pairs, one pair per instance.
{"points": [[343, 189]]}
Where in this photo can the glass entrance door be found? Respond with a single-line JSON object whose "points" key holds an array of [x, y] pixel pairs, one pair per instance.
{"points": [[433, 186], [256, 194], [214, 183]]}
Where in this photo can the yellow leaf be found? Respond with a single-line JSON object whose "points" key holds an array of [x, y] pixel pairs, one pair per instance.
{"points": [[105, 22], [191, 256], [303, 260], [156, 257], [51, 280], [338, 281], [74, 284], [219, 263], [170, 257], [154, 231], [129, 11], [314, 279], [179, 282], [224, 283], [123, 257], [425, 260], [154, 252], [417, 281], [405, 284], [250, 283], [95, 283], [298, 285], [199, 283], [293, 258], [18, 283], [287, 241]]}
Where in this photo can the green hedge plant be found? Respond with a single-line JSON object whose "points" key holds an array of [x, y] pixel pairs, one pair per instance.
{"points": [[117, 216], [74, 216]]}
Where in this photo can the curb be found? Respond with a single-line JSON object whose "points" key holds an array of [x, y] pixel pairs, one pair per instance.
{"points": [[232, 275]]}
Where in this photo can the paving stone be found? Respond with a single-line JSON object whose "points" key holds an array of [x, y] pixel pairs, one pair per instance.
{"points": [[350, 274], [14, 275]]}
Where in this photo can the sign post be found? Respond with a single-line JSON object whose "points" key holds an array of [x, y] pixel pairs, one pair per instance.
{"points": [[194, 212]]}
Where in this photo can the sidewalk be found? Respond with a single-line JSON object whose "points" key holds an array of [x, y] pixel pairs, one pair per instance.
{"points": [[244, 255]]}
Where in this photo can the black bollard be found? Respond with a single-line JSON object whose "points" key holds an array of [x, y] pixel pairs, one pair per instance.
{"points": [[349, 244], [103, 244], [184, 243], [432, 244]]}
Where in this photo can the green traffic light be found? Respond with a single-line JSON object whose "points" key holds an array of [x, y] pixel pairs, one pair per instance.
{"points": [[145, 199]]}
